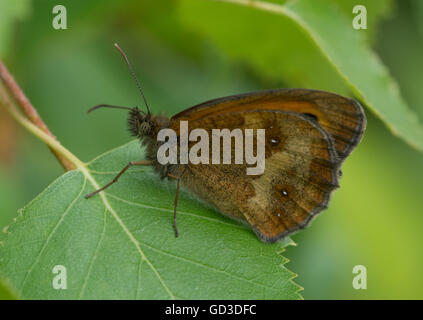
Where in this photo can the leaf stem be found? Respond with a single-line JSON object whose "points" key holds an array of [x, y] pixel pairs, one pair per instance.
{"points": [[35, 124]]}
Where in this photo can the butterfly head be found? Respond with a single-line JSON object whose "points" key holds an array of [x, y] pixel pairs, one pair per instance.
{"points": [[140, 124]]}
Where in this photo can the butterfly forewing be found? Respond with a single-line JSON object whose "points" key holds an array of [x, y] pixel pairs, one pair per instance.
{"points": [[341, 117]]}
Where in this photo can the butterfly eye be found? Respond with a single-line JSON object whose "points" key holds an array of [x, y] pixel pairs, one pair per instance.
{"points": [[145, 127], [284, 193]]}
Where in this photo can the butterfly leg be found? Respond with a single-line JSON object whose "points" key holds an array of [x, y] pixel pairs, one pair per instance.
{"points": [[115, 179], [175, 226]]}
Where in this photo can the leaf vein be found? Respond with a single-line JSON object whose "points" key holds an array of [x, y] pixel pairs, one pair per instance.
{"points": [[51, 235], [179, 212], [206, 266], [94, 257]]}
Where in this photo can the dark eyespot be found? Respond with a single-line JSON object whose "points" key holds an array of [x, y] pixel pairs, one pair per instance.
{"points": [[274, 141], [310, 116], [283, 192]]}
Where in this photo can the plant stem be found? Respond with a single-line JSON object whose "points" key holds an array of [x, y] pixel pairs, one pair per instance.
{"points": [[12, 89]]}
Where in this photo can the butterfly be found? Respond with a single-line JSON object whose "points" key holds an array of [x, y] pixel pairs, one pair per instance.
{"points": [[309, 133]]}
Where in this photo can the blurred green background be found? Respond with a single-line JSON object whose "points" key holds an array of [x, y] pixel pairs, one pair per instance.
{"points": [[374, 220]]}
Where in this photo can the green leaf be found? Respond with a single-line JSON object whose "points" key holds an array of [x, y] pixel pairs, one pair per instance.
{"points": [[417, 9], [121, 245], [307, 43]]}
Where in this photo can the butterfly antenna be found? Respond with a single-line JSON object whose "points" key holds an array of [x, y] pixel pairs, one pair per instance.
{"points": [[133, 75], [107, 106]]}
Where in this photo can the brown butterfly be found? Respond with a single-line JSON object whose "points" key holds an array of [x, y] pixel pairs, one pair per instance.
{"points": [[309, 134]]}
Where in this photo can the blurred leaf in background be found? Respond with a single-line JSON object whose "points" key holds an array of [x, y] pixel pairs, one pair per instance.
{"points": [[185, 52], [401, 46], [282, 37], [10, 13]]}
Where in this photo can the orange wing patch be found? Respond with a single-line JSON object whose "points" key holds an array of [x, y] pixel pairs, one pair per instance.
{"points": [[341, 117]]}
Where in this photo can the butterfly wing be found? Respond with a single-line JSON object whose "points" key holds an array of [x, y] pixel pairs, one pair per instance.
{"points": [[341, 117], [301, 171]]}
